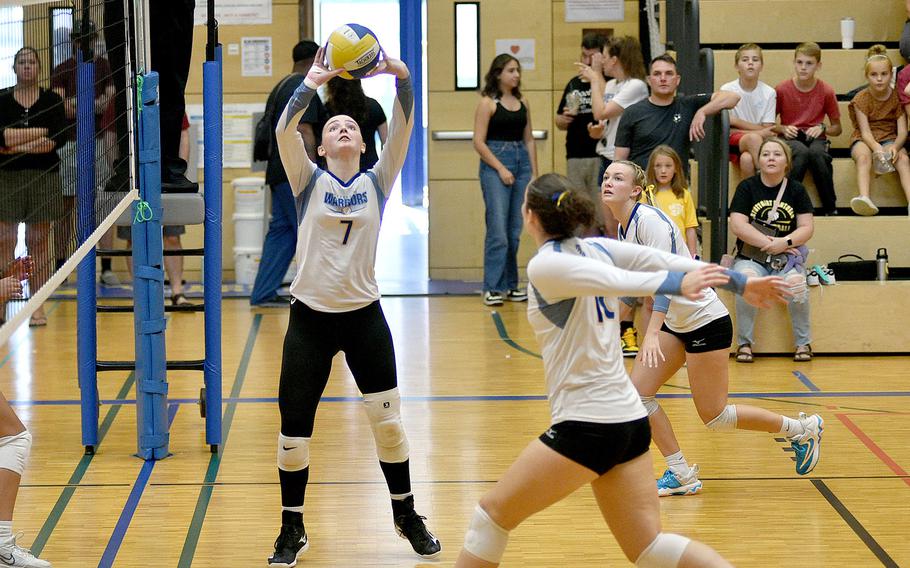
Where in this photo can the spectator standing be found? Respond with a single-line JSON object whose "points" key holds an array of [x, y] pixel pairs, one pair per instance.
{"points": [[803, 102], [753, 118]]}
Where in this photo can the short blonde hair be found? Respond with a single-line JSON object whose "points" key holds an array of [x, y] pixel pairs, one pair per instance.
{"points": [[748, 47], [809, 49]]}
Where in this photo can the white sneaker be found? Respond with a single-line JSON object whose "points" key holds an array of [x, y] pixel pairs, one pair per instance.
{"points": [[807, 445], [812, 277], [829, 278], [109, 278], [13, 555], [863, 206]]}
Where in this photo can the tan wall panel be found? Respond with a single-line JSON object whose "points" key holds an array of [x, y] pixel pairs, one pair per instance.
{"points": [[841, 68], [738, 21], [440, 72]]}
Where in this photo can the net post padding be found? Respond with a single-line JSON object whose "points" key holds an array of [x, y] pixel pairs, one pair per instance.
{"points": [[148, 288], [212, 110]]}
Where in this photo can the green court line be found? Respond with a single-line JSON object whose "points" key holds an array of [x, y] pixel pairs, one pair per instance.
{"points": [[205, 493], [54, 516], [504, 335]]}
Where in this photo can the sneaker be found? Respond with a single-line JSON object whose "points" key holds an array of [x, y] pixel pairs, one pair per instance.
{"points": [[812, 277], [827, 276], [493, 298], [275, 301], [629, 343], [673, 484], [290, 544], [517, 295], [410, 526], [13, 555], [109, 278], [808, 444], [863, 206]]}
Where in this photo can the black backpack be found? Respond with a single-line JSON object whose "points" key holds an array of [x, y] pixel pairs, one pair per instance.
{"points": [[263, 135]]}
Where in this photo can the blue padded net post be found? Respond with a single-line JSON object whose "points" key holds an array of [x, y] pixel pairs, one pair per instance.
{"points": [[212, 108], [87, 337], [148, 288]]}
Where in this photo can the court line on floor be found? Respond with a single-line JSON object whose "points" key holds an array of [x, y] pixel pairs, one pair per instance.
{"points": [[205, 494], [881, 454], [854, 524], [504, 335], [805, 380], [132, 503], [79, 472]]}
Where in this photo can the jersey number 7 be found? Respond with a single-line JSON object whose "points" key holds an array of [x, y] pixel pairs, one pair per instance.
{"points": [[347, 232]]}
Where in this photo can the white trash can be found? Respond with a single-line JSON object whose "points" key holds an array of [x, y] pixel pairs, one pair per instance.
{"points": [[246, 264], [249, 195]]}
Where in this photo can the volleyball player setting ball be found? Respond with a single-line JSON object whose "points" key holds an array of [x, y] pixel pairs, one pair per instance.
{"points": [[335, 297]]}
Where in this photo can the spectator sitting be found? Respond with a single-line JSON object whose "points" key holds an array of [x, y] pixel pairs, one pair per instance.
{"points": [[622, 60], [802, 103], [664, 118], [772, 218], [575, 117], [879, 132], [752, 119], [667, 190]]}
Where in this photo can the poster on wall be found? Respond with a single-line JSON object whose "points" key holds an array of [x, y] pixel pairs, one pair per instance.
{"points": [[236, 12], [595, 10], [521, 49], [238, 132], [256, 56]]}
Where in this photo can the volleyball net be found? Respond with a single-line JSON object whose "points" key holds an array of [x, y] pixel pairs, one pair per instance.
{"points": [[66, 141]]}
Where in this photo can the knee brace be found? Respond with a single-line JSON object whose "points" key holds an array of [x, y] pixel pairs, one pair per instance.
{"points": [[651, 404], [384, 411], [664, 551], [293, 453], [485, 539], [798, 287], [725, 421], [14, 451]]}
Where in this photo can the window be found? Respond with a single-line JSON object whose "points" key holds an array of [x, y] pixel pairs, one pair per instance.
{"points": [[467, 45], [10, 43]]}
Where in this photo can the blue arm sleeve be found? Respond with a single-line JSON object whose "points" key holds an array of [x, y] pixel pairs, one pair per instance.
{"points": [[661, 304], [672, 284], [737, 282]]}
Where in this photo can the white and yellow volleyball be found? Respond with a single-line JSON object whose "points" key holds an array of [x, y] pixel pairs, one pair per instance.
{"points": [[353, 47]]}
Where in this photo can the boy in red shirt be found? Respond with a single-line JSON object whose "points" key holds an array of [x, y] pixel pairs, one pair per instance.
{"points": [[803, 102]]}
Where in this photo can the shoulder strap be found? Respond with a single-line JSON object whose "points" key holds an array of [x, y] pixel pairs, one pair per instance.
{"points": [[270, 103], [780, 195]]}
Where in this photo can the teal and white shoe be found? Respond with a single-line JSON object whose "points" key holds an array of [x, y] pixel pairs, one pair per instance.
{"points": [[673, 484], [807, 445]]}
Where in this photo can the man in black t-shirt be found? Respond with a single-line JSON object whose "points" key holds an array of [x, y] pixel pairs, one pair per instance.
{"points": [[664, 118], [574, 115], [281, 240]]}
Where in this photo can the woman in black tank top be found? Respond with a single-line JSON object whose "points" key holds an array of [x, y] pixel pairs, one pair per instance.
{"points": [[508, 161]]}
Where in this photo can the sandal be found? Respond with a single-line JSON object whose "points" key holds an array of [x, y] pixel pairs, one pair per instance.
{"points": [[37, 320], [180, 300], [803, 353], [744, 354]]}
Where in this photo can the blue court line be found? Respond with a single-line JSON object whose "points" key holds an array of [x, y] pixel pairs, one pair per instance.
{"points": [[805, 380], [132, 503], [504, 335]]}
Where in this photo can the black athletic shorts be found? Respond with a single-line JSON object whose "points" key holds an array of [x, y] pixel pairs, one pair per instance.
{"points": [[597, 446], [712, 336]]}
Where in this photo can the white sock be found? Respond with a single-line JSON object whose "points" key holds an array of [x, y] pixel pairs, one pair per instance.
{"points": [[677, 463], [6, 530], [791, 427]]}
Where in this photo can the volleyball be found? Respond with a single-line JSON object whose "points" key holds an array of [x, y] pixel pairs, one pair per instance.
{"points": [[353, 47]]}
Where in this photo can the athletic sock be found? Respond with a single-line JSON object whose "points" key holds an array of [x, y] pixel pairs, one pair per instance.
{"points": [[677, 463], [397, 477], [6, 531], [791, 427]]}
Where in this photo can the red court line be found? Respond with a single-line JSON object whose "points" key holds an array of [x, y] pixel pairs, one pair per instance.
{"points": [[873, 447]]}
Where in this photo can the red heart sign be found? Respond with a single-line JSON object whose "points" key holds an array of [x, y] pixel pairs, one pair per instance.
{"points": [[515, 48]]}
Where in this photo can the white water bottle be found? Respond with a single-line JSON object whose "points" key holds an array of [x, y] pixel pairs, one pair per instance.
{"points": [[847, 30]]}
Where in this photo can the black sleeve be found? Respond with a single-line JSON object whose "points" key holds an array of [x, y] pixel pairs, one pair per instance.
{"points": [[562, 101], [314, 113], [802, 203], [742, 198], [625, 132], [56, 123]]}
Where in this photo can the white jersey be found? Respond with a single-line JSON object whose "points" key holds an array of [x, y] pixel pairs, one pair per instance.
{"points": [[338, 222], [649, 226], [573, 307]]}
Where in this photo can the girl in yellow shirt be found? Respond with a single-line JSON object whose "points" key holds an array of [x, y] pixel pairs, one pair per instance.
{"points": [[668, 192]]}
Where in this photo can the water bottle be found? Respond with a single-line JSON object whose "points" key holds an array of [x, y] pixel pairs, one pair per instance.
{"points": [[881, 265]]}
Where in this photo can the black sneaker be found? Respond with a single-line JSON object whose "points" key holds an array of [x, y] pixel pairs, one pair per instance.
{"points": [[275, 301], [409, 525], [289, 545], [517, 295]]}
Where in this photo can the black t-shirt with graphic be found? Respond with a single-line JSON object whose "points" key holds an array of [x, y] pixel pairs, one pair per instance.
{"points": [[645, 125], [755, 200], [579, 143]]}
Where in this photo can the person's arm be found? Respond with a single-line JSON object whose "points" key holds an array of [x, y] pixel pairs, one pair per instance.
{"points": [[692, 241], [744, 231], [530, 145], [625, 135], [102, 100], [13, 137], [865, 132], [563, 117], [395, 149], [485, 109], [833, 113], [621, 153], [901, 137], [383, 131], [720, 100]]}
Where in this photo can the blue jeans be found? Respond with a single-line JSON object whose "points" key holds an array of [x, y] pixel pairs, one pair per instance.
{"points": [[503, 215], [798, 305], [279, 247]]}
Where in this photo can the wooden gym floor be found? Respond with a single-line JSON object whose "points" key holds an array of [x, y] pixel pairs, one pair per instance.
{"points": [[473, 398]]}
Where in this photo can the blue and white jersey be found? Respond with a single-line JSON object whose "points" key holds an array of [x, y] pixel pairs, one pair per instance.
{"points": [[573, 307], [649, 226], [338, 222]]}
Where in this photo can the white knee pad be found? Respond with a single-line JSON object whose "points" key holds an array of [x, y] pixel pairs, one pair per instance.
{"points": [[485, 539], [725, 421], [384, 412], [651, 404], [664, 551], [14, 451], [293, 453], [798, 287]]}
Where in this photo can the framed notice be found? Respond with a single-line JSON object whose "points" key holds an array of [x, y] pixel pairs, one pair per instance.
{"points": [[521, 49], [235, 12], [595, 10]]}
